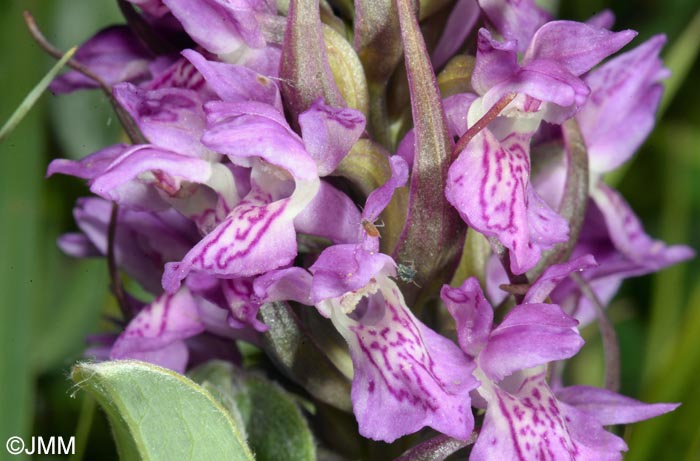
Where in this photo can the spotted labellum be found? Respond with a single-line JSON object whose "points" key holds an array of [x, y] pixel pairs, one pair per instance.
{"points": [[406, 233]]}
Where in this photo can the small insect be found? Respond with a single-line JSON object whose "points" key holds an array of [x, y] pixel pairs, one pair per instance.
{"points": [[370, 228], [407, 273]]}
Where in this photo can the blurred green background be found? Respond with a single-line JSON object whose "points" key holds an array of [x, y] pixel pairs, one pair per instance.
{"points": [[50, 303]]}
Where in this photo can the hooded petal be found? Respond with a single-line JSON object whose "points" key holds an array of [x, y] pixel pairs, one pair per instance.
{"points": [[145, 176], [236, 83], [331, 214], [158, 331], [417, 377], [329, 133], [576, 46], [530, 335], [172, 118], [290, 284], [347, 268], [252, 129], [220, 26], [114, 54], [472, 313], [496, 62], [625, 93]]}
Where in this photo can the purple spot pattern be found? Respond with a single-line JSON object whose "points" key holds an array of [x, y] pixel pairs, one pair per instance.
{"points": [[169, 319], [526, 426], [256, 237], [417, 377], [489, 186]]}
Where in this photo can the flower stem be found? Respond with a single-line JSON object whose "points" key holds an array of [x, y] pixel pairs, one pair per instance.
{"points": [[607, 332], [482, 123]]}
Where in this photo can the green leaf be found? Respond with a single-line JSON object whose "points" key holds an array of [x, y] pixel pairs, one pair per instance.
{"points": [[216, 376], [276, 428], [158, 414]]}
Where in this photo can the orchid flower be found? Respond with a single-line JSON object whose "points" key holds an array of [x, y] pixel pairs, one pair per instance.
{"points": [[525, 418]]}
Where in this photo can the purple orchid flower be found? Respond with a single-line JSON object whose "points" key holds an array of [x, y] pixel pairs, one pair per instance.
{"points": [[525, 419], [417, 376], [489, 183], [258, 235], [614, 122]]}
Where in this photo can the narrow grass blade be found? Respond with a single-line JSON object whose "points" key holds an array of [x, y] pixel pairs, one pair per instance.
{"points": [[34, 95]]}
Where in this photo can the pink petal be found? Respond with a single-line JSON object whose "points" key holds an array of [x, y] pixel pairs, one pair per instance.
{"points": [[158, 330], [417, 377], [329, 133], [472, 313], [530, 335]]}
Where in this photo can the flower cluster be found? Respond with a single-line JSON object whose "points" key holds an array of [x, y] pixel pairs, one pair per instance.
{"points": [[275, 166]]}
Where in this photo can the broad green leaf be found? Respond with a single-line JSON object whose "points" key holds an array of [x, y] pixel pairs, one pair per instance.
{"points": [[274, 425], [217, 377], [157, 414]]}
